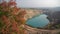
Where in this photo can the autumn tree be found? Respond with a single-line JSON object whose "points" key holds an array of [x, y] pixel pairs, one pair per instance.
{"points": [[11, 18]]}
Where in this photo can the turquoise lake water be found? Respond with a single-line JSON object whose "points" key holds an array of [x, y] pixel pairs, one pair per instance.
{"points": [[39, 21]]}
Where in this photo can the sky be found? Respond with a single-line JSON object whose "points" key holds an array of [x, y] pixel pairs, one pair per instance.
{"points": [[37, 3]]}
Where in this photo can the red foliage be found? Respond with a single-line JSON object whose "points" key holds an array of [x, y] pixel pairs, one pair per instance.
{"points": [[3, 31], [15, 10], [4, 4], [12, 3], [15, 27], [7, 21]]}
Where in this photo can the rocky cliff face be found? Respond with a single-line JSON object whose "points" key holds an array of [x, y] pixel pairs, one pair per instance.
{"points": [[30, 30], [31, 13]]}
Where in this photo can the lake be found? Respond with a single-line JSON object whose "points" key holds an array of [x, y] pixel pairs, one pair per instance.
{"points": [[39, 21]]}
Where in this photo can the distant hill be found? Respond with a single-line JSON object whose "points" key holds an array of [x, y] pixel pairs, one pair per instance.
{"points": [[53, 14]]}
